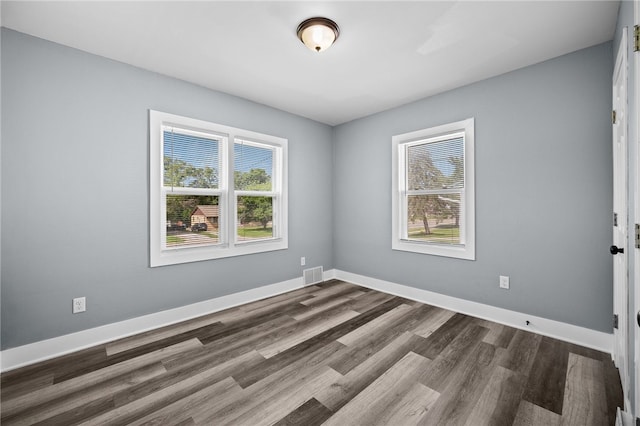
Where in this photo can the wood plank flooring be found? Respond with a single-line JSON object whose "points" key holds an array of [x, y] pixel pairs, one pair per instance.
{"points": [[333, 354]]}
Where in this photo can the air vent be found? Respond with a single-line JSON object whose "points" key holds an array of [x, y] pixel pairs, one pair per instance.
{"points": [[312, 275]]}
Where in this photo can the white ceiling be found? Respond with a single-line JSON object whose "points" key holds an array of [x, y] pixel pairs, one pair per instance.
{"points": [[388, 53]]}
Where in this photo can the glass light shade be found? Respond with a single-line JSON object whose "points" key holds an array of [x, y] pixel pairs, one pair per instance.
{"points": [[318, 34]]}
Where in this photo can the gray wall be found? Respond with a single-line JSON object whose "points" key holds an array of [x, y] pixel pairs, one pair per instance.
{"points": [[0, 182], [625, 19], [75, 192], [543, 191], [75, 197]]}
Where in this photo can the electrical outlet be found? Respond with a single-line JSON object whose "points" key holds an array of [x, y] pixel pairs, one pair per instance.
{"points": [[303, 261], [79, 305], [504, 282]]}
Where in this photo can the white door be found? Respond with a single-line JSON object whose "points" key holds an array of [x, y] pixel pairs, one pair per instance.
{"points": [[620, 279], [636, 177]]}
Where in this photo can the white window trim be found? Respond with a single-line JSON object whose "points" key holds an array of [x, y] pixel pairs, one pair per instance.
{"points": [[228, 246], [466, 250]]}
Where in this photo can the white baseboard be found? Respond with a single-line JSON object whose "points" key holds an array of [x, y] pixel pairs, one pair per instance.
{"points": [[46, 349], [329, 275], [559, 330]]}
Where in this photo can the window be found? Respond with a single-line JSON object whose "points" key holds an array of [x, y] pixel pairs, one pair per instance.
{"points": [[433, 197], [215, 191]]}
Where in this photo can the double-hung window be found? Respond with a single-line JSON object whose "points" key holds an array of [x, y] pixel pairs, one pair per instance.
{"points": [[433, 202], [215, 191]]}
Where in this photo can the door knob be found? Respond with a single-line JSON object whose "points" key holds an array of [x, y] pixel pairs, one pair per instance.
{"points": [[615, 250]]}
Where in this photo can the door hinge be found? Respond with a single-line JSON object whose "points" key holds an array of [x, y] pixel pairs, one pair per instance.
{"points": [[615, 321], [613, 117], [637, 236], [615, 219], [636, 38]]}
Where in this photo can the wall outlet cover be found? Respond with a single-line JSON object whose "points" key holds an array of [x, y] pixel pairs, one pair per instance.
{"points": [[79, 305], [504, 282]]}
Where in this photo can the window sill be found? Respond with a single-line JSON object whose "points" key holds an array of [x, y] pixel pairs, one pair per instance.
{"points": [[197, 254], [456, 252]]}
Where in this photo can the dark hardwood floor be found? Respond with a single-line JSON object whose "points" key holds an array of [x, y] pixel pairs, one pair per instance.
{"points": [[334, 354]]}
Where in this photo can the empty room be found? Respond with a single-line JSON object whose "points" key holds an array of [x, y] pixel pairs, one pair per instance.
{"points": [[305, 213]]}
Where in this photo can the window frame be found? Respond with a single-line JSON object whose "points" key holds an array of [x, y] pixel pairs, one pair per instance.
{"points": [[400, 193], [228, 244], [273, 193]]}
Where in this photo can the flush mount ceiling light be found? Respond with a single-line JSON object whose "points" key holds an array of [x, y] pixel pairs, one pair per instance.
{"points": [[318, 34]]}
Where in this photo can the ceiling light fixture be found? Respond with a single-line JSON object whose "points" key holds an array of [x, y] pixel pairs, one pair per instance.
{"points": [[318, 34]]}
